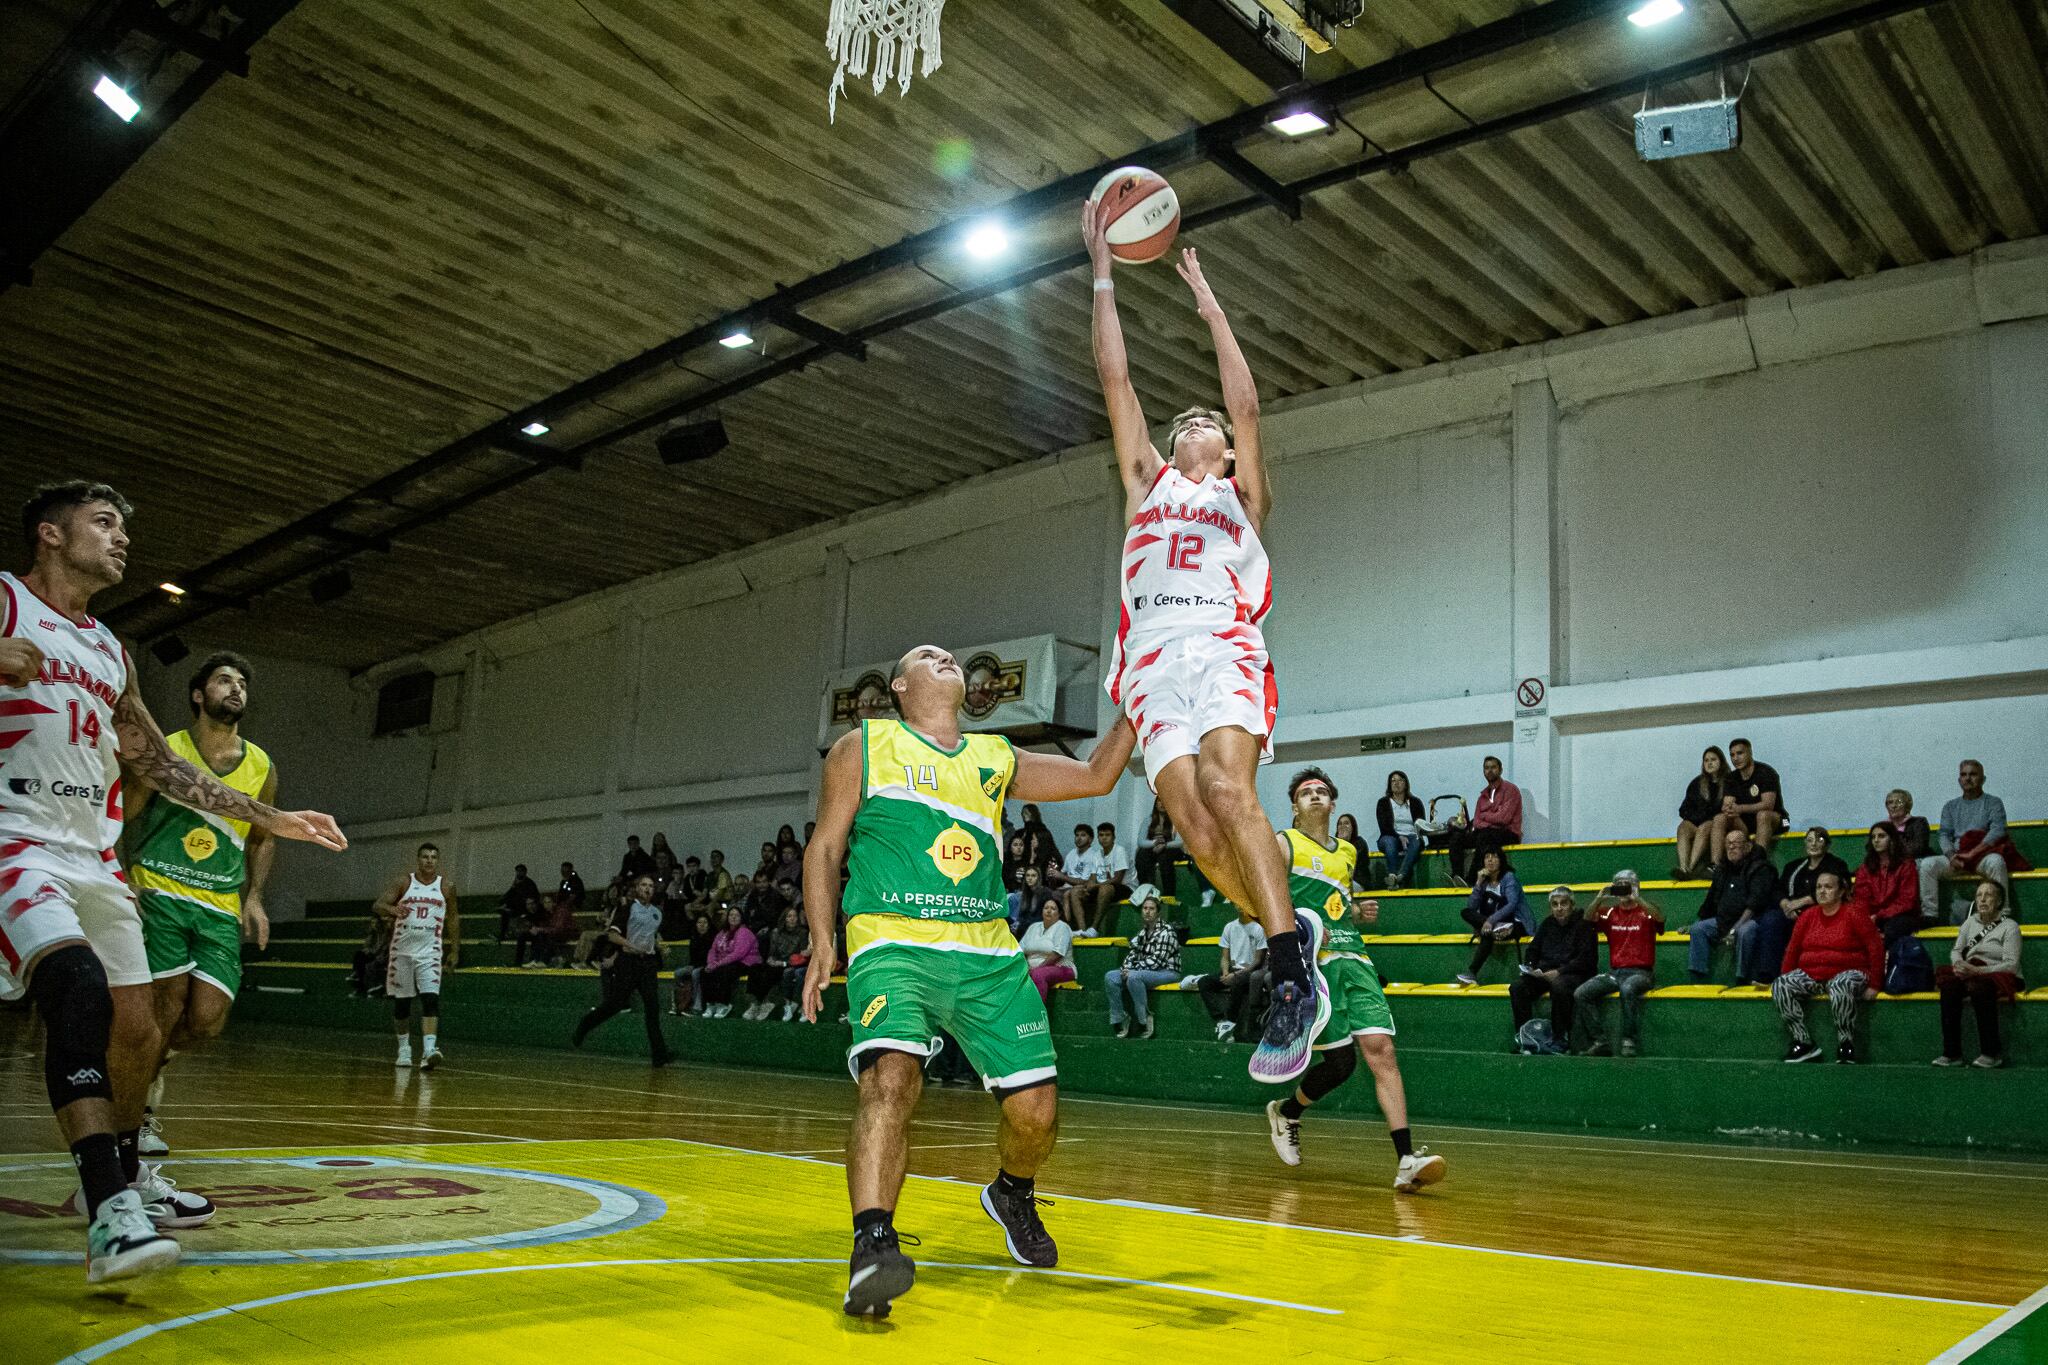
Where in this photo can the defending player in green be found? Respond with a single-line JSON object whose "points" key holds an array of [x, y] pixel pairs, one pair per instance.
{"points": [[915, 808], [1321, 871]]}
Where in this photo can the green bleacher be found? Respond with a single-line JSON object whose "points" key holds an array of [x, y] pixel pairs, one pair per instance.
{"points": [[1709, 1066]]}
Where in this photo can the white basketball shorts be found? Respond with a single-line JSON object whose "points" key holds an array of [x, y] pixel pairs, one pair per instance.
{"points": [[48, 895], [1178, 690], [413, 973]]}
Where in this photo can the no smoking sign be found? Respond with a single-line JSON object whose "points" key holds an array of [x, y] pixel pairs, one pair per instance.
{"points": [[1532, 697]]}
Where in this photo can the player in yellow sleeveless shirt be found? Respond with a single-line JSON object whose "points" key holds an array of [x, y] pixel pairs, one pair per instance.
{"points": [[199, 876], [915, 808], [1321, 872]]}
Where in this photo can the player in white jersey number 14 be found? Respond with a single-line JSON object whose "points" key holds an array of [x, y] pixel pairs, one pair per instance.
{"points": [[72, 723], [1190, 666]]}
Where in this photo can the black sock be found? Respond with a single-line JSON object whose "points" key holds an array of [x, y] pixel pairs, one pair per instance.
{"points": [[98, 1159], [1292, 1107], [131, 1154], [870, 1218], [1284, 952], [1014, 1184], [1403, 1145]]}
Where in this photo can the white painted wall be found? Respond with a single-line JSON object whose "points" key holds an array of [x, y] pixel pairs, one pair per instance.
{"points": [[1817, 520]]}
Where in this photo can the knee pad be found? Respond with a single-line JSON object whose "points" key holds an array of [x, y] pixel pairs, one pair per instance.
{"points": [[430, 1004], [69, 987], [1332, 1069], [402, 1008]]}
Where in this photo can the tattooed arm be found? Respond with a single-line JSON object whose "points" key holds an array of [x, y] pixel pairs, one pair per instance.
{"points": [[145, 751]]}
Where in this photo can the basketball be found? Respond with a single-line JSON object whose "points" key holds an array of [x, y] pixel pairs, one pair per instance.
{"points": [[1144, 213]]}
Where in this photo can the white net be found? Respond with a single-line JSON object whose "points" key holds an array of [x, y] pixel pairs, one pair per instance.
{"points": [[880, 36]]}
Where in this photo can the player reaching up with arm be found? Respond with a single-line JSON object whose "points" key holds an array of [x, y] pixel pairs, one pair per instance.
{"points": [[918, 805], [1190, 668]]}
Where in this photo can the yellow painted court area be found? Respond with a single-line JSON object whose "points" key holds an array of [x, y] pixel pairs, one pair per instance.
{"points": [[698, 1251]]}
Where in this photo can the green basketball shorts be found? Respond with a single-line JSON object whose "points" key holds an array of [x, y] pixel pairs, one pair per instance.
{"points": [[900, 995], [181, 937], [1357, 1004]]}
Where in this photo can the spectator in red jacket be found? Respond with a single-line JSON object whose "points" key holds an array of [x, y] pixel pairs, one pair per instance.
{"points": [[1888, 885], [1630, 925], [1496, 823], [1836, 947]]}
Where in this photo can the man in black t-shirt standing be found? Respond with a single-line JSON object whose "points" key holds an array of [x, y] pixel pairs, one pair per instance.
{"points": [[1754, 799]]}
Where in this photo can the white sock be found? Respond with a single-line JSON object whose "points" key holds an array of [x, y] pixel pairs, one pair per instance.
{"points": [[405, 1044], [426, 1042]]}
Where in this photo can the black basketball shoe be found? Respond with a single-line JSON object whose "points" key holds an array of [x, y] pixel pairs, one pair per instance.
{"points": [[1023, 1231], [878, 1272]]}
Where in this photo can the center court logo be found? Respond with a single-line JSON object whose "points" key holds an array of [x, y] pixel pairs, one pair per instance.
{"points": [[955, 854]]}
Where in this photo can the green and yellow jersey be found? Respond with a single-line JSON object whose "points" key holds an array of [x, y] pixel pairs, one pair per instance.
{"points": [[925, 856], [193, 857], [1319, 882]]}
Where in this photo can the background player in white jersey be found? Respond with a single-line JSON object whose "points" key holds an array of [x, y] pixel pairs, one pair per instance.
{"points": [[1190, 666], [72, 721], [426, 936]]}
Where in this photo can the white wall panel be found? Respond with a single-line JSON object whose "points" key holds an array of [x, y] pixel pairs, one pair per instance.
{"points": [[544, 724]]}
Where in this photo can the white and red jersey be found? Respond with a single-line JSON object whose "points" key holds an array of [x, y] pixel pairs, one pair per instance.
{"points": [[422, 913], [60, 774], [1192, 565]]}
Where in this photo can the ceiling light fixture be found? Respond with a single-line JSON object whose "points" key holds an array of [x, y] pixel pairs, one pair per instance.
{"points": [[115, 98], [1298, 123], [732, 341], [172, 588], [1655, 12], [987, 240], [535, 429]]}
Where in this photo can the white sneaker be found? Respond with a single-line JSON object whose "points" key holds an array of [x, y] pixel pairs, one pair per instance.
{"points": [[166, 1205], [431, 1060], [789, 1011], [150, 1141], [120, 1244], [1224, 1030], [1208, 899], [1286, 1133], [1420, 1167], [405, 1057]]}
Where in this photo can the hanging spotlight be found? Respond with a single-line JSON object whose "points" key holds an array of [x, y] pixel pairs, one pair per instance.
{"points": [[692, 441]]}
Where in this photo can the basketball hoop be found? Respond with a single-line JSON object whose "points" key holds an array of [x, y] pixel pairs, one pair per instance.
{"points": [[895, 29]]}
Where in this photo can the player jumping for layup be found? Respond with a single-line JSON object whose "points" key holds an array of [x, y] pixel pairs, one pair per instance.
{"points": [[71, 721], [1321, 871], [1190, 668], [917, 809], [426, 935]]}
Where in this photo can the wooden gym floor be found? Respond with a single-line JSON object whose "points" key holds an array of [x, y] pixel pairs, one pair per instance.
{"points": [[547, 1205]]}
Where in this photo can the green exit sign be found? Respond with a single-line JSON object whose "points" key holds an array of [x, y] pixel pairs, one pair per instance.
{"points": [[1379, 744]]}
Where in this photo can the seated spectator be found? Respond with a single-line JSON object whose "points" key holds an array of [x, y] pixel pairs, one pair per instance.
{"points": [[1696, 812], [763, 905], [1745, 889], [782, 967], [1757, 959], [518, 901], [1398, 812], [789, 856], [1837, 948], [1041, 848], [1973, 840], [791, 893], [1346, 829], [690, 976], [733, 949], [1077, 877], [572, 885], [1497, 911], [548, 937], [1112, 887], [1152, 960], [1159, 856], [769, 862], [1496, 823], [694, 885], [1014, 845], [1916, 839], [637, 863], [1753, 800], [1888, 885], [1631, 925], [1231, 992], [1564, 953], [1048, 947], [1029, 900], [1984, 969], [717, 878]]}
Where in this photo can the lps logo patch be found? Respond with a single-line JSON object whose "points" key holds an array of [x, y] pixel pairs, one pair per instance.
{"points": [[25, 786], [955, 854], [874, 1010], [200, 843]]}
